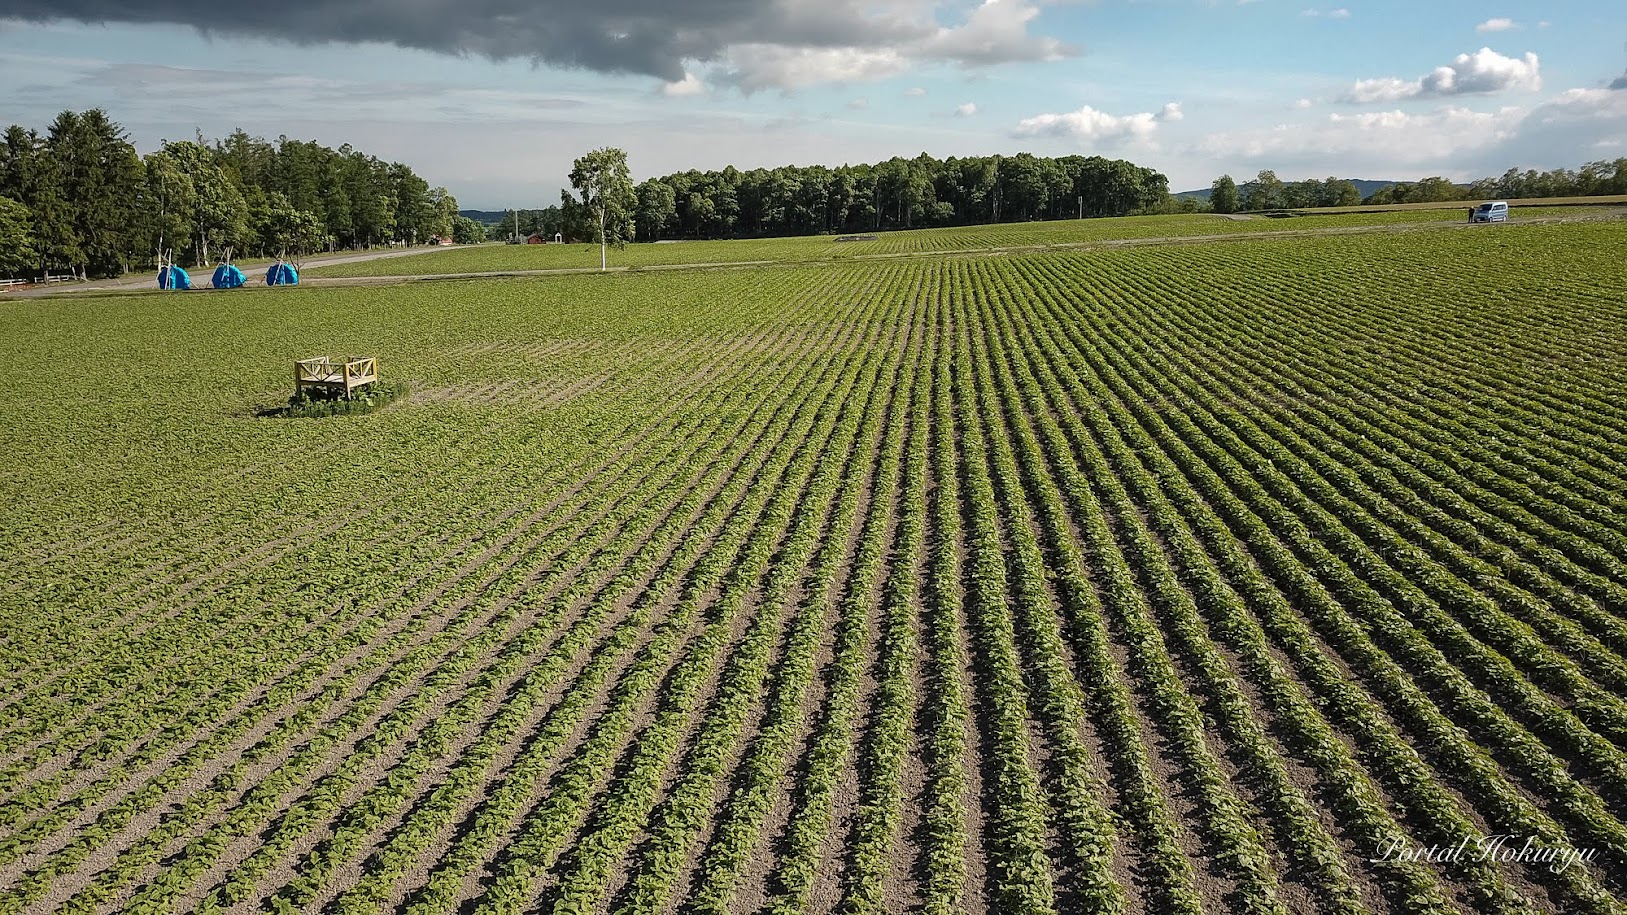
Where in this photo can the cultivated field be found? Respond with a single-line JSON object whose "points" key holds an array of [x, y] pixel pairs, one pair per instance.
{"points": [[1176, 578], [1517, 206], [486, 258]]}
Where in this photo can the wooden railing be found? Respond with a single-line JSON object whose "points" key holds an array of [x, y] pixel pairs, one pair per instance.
{"points": [[335, 375]]}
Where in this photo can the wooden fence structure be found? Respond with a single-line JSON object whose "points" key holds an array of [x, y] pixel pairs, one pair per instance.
{"points": [[335, 377]]}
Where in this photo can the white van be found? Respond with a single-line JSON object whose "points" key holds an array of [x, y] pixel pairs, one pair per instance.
{"points": [[1494, 211]]}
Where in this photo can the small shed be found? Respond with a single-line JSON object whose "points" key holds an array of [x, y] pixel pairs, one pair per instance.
{"points": [[536, 238]]}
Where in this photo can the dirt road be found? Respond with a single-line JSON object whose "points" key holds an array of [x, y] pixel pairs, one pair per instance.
{"points": [[149, 280]]}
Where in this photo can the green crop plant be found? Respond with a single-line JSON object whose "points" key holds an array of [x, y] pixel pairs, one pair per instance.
{"points": [[1168, 564]]}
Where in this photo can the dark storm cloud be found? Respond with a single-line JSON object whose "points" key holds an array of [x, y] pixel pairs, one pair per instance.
{"points": [[1619, 82], [651, 37]]}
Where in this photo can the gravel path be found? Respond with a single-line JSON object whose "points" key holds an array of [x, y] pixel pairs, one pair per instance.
{"points": [[148, 280]]}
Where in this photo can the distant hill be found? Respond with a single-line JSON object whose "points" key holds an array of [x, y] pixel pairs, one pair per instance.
{"points": [[493, 217], [1366, 187]]}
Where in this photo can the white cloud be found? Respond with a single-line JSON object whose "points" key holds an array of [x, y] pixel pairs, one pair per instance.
{"points": [[1383, 89], [754, 67], [966, 110], [859, 104], [1453, 140], [995, 32], [1393, 137], [1584, 104], [1484, 71], [1500, 24], [1087, 125], [915, 92], [689, 85], [828, 51], [1556, 131], [1302, 104], [1340, 13]]}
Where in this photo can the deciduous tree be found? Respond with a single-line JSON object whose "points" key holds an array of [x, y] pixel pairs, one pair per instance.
{"points": [[605, 186], [1223, 195], [657, 208]]}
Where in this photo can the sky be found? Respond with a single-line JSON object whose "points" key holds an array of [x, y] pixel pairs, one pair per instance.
{"points": [[492, 99]]}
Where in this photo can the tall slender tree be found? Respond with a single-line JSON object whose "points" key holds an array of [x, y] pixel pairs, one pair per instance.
{"points": [[602, 180]]}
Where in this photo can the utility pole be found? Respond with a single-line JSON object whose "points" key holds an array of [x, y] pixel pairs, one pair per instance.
{"points": [[1081, 208]]}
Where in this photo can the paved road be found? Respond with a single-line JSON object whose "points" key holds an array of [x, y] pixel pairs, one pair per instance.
{"points": [[149, 280]]}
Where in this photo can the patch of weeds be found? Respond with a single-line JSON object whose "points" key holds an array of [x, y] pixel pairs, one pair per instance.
{"points": [[305, 405]]}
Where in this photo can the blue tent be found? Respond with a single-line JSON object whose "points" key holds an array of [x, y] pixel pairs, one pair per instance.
{"points": [[227, 277], [282, 275], [173, 278]]}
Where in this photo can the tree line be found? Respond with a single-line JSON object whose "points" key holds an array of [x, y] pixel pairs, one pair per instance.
{"points": [[1267, 192], [899, 193], [79, 199]]}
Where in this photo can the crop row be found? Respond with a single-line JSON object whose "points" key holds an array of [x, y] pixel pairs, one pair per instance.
{"points": [[1183, 578]]}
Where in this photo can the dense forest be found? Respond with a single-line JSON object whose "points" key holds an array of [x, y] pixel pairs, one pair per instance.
{"points": [[925, 192], [897, 194], [1267, 192], [78, 199]]}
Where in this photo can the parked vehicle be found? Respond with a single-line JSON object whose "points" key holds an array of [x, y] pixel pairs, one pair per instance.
{"points": [[1492, 211]]}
